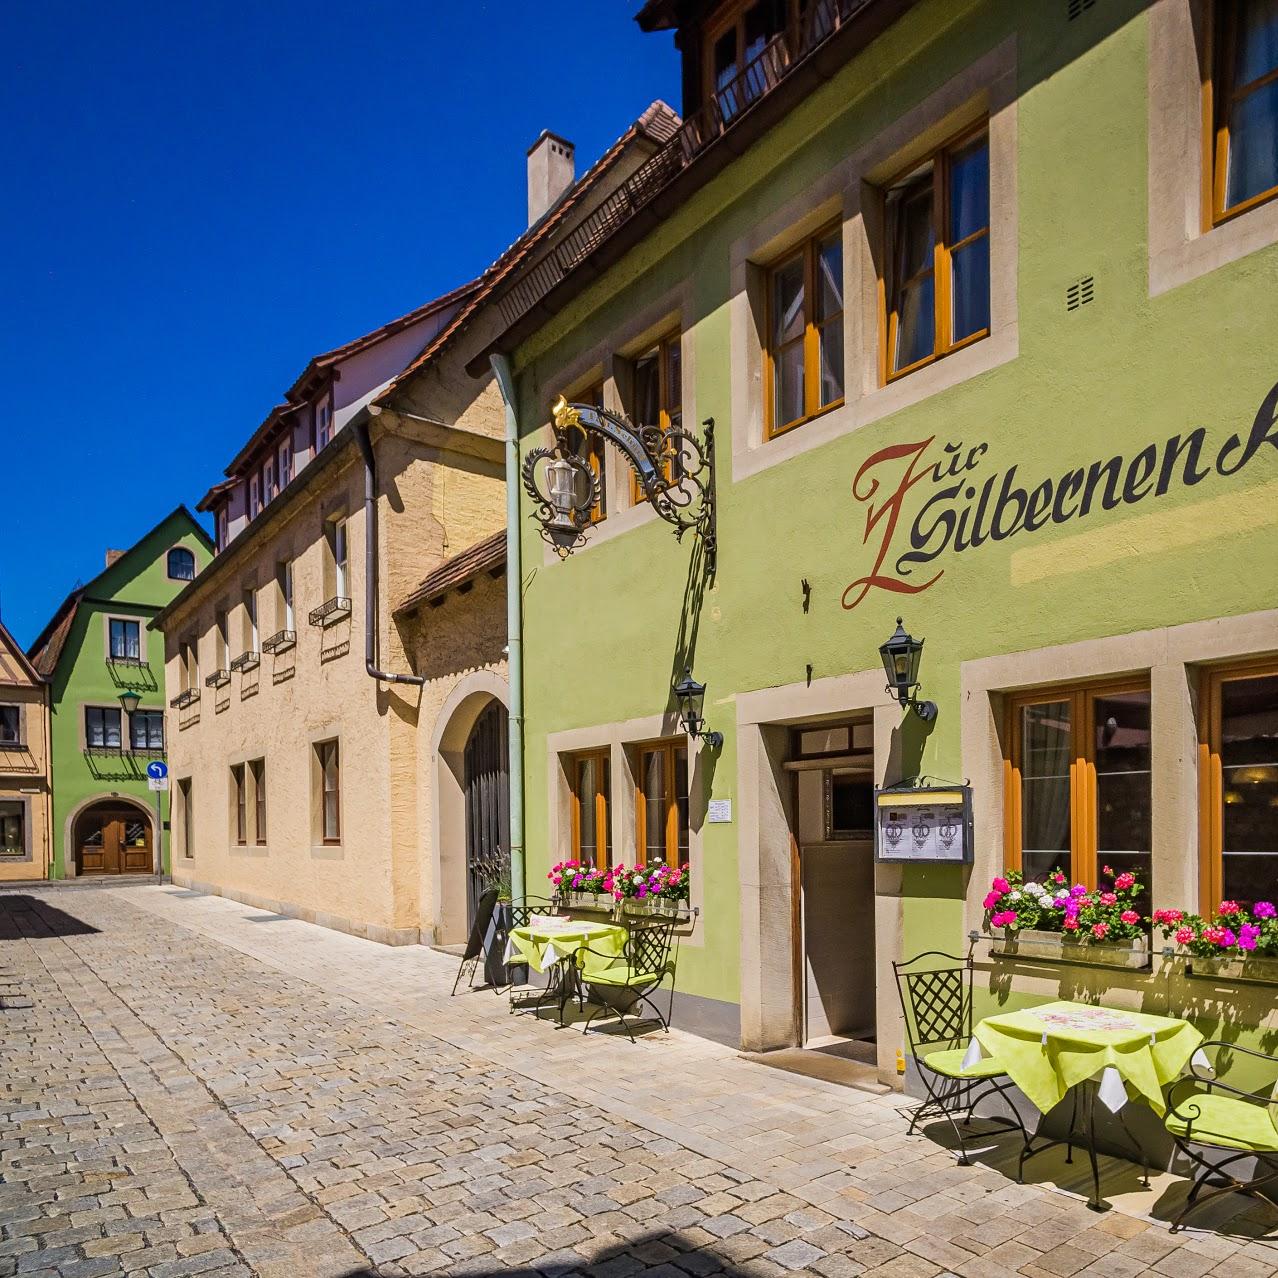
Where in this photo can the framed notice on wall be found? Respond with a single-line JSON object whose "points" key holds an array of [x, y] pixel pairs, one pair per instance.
{"points": [[923, 823]]}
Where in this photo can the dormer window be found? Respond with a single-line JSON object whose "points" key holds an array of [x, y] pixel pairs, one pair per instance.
{"points": [[286, 464], [736, 41], [255, 496], [181, 564], [323, 424], [268, 480]]}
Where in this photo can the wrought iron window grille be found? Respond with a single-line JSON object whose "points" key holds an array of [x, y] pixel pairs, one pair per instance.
{"points": [[247, 661], [330, 610], [218, 679], [115, 659], [184, 699], [674, 467], [280, 641]]}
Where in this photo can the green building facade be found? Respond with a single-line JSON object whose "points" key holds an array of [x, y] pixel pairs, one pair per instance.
{"points": [[96, 648], [986, 346]]}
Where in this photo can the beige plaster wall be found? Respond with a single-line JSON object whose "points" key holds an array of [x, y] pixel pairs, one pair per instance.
{"points": [[24, 773], [430, 495]]}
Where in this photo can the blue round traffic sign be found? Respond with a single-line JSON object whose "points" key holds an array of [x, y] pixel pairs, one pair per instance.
{"points": [[157, 770]]}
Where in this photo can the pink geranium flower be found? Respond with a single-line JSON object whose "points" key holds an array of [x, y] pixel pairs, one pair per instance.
{"points": [[1129, 916], [1124, 881], [1264, 910], [992, 899], [1004, 918], [1228, 907], [1100, 930], [1248, 935], [1001, 885], [1108, 898], [1168, 916], [1071, 923], [1184, 935]]}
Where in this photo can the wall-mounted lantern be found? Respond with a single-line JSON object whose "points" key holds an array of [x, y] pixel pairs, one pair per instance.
{"points": [[674, 469], [901, 655], [130, 701], [691, 697]]}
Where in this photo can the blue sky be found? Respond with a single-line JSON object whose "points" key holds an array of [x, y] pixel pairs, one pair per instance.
{"points": [[201, 195]]}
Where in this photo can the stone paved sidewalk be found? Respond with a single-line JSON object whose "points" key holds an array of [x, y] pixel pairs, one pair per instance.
{"points": [[190, 1086]]}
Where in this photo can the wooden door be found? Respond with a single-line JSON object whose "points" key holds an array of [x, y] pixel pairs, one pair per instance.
{"points": [[113, 840], [487, 788]]}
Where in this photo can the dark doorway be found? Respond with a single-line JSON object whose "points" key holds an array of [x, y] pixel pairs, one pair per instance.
{"points": [[487, 785], [111, 838]]}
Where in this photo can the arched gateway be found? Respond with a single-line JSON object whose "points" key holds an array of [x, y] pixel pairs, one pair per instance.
{"points": [[112, 836]]}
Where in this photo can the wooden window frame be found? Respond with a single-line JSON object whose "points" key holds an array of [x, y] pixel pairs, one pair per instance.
{"points": [[602, 758], [321, 749], [124, 623], [1220, 94], [942, 261], [812, 407], [1211, 799], [257, 770], [104, 711], [1083, 850], [20, 737], [731, 15], [662, 348], [184, 794], [239, 798], [133, 723], [668, 750]]}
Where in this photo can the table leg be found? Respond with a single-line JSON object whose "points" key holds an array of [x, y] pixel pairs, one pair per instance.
{"points": [[1095, 1203], [1140, 1149]]}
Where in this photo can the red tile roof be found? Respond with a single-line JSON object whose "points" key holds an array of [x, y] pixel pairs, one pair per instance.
{"points": [[488, 556], [657, 124]]}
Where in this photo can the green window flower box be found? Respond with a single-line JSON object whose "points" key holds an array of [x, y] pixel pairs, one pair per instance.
{"points": [[1249, 970], [1057, 947]]}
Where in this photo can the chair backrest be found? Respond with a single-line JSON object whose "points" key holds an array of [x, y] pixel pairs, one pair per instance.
{"points": [[648, 946], [479, 928], [530, 905], [936, 998]]}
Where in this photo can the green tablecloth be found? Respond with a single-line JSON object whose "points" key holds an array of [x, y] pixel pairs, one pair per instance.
{"points": [[546, 947], [1047, 1050]]}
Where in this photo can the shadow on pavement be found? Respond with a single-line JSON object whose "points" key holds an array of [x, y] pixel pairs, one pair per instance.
{"points": [[35, 918]]}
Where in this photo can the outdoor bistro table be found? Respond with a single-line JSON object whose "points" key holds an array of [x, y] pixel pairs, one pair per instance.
{"points": [[1050, 1050], [550, 947]]}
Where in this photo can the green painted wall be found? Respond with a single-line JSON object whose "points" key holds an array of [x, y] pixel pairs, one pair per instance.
{"points": [[136, 585], [1124, 372]]}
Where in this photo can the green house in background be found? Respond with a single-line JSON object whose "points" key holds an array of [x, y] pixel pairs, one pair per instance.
{"points": [[95, 650]]}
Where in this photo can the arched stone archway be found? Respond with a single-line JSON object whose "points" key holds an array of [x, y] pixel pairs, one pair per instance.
{"points": [[109, 834], [453, 728]]}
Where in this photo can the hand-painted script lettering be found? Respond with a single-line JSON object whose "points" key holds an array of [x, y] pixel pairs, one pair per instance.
{"points": [[962, 513]]}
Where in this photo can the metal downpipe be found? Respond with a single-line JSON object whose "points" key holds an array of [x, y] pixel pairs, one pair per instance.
{"points": [[360, 427], [514, 625]]}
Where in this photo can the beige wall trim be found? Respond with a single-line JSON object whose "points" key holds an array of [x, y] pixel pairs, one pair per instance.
{"points": [[446, 920], [68, 827], [335, 922], [769, 1010], [1171, 657], [852, 192], [621, 739], [1180, 248]]}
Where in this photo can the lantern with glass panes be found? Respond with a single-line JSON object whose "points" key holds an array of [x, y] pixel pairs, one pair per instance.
{"points": [[674, 472], [901, 655]]}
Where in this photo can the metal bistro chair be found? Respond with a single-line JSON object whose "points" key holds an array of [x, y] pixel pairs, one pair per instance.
{"points": [[477, 941], [1239, 1124], [621, 983], [524, 996], [936, 999]]}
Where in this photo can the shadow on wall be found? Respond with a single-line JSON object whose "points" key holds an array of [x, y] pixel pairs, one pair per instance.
{"points": [[26, 916]]}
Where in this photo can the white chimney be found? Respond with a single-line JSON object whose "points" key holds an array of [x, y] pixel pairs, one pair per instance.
{"points": [[551, 171]]}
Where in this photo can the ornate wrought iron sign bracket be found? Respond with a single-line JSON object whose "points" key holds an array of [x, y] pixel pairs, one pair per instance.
{"points": [[674, 468]]}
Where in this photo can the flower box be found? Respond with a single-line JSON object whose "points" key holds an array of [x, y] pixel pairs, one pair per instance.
{"points": [[1250, 969], [663, 907], [586, 901], [1056, 947]]}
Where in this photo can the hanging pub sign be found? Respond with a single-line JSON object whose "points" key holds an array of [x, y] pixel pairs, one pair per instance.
{"points": [[923, 823]]}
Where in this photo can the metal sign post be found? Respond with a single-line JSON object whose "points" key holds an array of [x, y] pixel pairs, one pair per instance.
{"points": [[157, 779]]}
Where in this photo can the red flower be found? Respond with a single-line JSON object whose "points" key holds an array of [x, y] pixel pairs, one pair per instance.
{"points": [[1129, 916], [1099, 930]]}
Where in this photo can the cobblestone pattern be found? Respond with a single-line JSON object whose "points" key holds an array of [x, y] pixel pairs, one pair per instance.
{"points": [[196, 1088]]}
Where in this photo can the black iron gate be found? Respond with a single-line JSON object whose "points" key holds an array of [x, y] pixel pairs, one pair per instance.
{"points": [[487, 804]]}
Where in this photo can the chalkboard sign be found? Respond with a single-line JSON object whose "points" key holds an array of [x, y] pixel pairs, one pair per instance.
{"points": [[923, 823]]}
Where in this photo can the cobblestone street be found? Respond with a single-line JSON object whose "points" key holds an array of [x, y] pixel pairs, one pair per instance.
{"points": [[191, 1086]]}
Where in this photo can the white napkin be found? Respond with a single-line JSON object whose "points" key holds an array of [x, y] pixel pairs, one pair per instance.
{"points": [[510, 950], [1199, 1059], [1112, 1091], [973, 1054]]}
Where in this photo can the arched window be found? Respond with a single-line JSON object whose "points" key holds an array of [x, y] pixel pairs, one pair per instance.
{"points": [[181, 564]]}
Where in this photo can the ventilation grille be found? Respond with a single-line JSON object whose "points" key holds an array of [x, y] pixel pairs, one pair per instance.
{"points": [[1080, 292], [1076, 8]]}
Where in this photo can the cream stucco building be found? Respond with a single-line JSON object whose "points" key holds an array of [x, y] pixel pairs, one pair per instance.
{"points": [[25, 795]]}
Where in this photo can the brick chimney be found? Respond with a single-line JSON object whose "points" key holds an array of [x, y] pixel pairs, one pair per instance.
{"points": [[551, 171], [113, 555]]}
